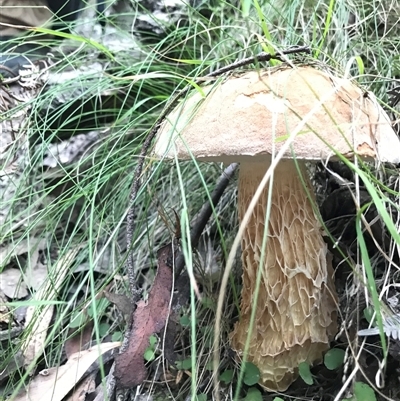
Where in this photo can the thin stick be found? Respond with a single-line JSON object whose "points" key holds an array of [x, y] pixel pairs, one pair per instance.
{"points": [[260, 57]]}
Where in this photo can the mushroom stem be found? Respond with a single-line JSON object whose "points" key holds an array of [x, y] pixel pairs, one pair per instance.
{"points": [[296, 307]]}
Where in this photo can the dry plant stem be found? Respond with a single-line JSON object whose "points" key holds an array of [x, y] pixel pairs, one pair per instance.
{"points": [[295, 316], [259, 58]]}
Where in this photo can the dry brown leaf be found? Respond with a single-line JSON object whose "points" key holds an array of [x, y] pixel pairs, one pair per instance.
{"points": [[11, 284], [38, 317], [149, 318], [55, 383]]}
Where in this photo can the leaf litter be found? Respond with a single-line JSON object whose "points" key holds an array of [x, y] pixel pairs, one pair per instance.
{"points": [[149, 318], [55, 383]]}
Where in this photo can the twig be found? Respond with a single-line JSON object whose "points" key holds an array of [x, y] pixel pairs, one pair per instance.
{"points": [[260, 57]]}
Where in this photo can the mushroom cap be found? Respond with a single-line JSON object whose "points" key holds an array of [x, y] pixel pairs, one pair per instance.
{"points": [[244, 116]]}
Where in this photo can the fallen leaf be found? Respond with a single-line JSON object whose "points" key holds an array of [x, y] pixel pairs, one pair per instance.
{"points": [[12, 285], [54, 384], [149, 318]]}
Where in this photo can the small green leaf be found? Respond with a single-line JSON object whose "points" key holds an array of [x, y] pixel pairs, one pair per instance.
{"points": [[200, 397], [103, 329], [186, 364], [101, 306], [226, 376], [278, 399], [208, 303], [368, 313], [184, 321], [153, 340], [305, 373], [360, 65], [78, 320], [363, 392], [253, 395], [334, 358], [117, 336], [251, 374], [149, 354]]}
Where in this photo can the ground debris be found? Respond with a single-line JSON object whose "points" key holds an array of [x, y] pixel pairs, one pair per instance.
{"points": [[149, 317], [53, 384]]}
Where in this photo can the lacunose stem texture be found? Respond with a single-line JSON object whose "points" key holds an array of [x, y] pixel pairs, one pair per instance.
{"points": [[295, 316]]}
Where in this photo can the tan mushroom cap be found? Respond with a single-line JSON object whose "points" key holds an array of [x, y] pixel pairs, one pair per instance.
{"points": [[245, 114]]}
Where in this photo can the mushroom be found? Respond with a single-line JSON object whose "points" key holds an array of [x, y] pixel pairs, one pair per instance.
{"points": [[245, 119]]}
